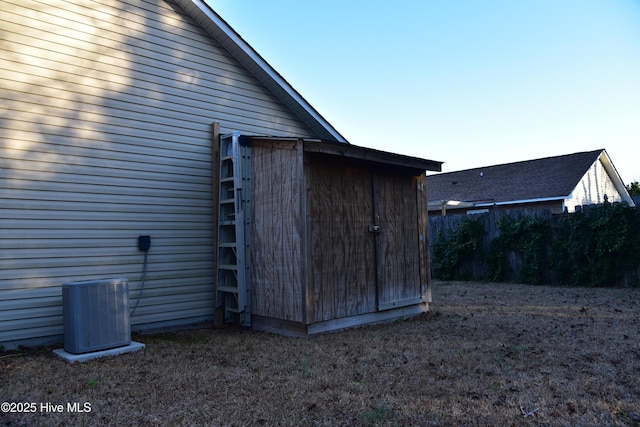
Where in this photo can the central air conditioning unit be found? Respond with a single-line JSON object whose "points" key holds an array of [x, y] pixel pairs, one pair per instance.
{"points": [[96, 315]]}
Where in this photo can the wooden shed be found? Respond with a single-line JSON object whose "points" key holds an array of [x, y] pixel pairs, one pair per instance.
{"points": [[333, 235], [107, 136]]}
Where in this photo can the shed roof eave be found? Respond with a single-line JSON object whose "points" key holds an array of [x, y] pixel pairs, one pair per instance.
{"points": [[218, 28], [415, 164], [335, 150]]}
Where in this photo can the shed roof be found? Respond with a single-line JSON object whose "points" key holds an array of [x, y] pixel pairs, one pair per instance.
{"points": [[376, 158], [549, 178], [354, 154], [218, 28]]}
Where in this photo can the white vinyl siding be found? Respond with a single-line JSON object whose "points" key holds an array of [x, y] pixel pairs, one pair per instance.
{"points": [[594, 185], [105, 134]]}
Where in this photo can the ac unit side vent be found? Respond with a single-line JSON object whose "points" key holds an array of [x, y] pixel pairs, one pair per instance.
{"points": [[96, 315]]}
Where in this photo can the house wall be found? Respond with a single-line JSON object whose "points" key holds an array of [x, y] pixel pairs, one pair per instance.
{"points": [[554, 206], [592, 188], [106, 135]]}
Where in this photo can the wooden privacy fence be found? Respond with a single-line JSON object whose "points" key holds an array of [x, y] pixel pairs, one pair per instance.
{"points": [[452, 235], [441, 227], [444, 225]]}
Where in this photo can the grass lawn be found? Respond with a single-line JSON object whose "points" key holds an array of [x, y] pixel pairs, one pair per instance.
{"points": [[485, 355]]}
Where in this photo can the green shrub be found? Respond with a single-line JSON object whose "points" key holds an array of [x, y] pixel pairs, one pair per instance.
{"points": [[452, 257], [527, 237], [597, 247]]}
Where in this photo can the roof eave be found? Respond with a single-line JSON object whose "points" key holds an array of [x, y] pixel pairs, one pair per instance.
{"points": [[458, 204], [370, 155], [204, 15], [615, 177], [353, 153], [513, 202]]}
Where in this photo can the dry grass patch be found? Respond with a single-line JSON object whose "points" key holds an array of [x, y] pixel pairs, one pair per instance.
{"points": [[482, 356]]}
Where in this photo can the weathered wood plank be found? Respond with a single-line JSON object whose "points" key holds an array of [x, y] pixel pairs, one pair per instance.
{"points": [[399, 253], [277, 234], [307, 260], [298, 330], [424, 237], [343, 268]]}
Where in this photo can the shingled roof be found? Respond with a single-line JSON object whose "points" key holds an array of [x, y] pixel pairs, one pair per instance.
{"points": [[532, 180]]}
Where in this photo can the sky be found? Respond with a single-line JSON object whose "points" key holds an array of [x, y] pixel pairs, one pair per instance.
{"points": [[469, 83]]}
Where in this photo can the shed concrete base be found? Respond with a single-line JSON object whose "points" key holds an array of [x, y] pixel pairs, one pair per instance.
{"points": [[296, 329], [83, 357]]}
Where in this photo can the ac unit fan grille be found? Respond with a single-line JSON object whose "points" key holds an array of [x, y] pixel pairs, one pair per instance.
{"points": [[96, 315]]}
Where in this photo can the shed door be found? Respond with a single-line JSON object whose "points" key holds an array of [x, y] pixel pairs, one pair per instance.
{"points": [[343, 273], [398, 245], [365, 241]]}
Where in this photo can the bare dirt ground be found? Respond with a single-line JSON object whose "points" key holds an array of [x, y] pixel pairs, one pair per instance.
{"points": [[486, 355]]}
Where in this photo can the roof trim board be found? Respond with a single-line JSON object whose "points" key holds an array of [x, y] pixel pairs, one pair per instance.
{"points": [[516, 202], [615, 176], [352, 153], [459, 204], [369, 155], [218, 28]]}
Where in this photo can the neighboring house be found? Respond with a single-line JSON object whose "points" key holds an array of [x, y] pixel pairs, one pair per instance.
{"points": [[560, 183], [110, 124]]}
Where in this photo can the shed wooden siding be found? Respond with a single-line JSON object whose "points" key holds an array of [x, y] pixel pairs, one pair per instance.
{"points": [[343, 281], [339, 237], [105, 135], [277, 256], [398, 204], [313, 252]]}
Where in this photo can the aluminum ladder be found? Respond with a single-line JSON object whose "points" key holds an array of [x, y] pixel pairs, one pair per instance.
{"points": [[233, 290]]}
